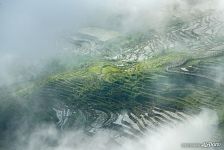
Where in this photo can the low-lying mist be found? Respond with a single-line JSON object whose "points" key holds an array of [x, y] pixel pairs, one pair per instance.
{"points": [[33, 27]]}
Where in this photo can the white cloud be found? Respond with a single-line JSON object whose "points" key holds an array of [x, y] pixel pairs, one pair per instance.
{"points": [[200, 128]]}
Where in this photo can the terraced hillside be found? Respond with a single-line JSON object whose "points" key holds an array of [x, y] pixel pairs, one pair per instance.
{"points": [[141, 81], [131, 99]]}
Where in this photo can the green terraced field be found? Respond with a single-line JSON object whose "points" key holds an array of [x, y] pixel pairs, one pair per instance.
{"points": [[150, 82], [94, 96]]}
